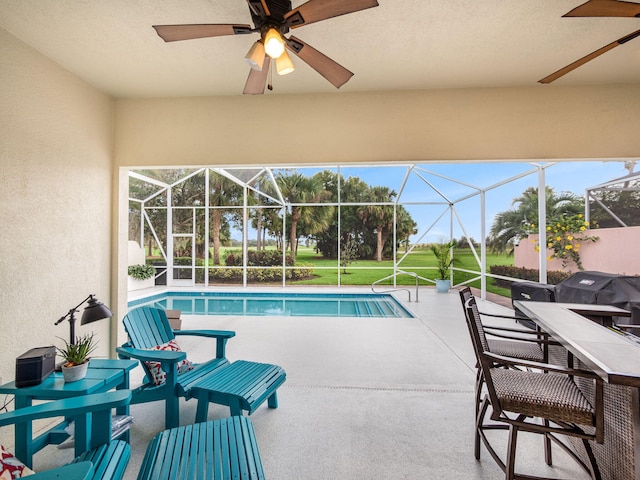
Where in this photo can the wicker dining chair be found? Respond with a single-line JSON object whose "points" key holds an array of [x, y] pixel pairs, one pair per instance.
{"points": [[509, 342], [512, 342], [541, 399]]}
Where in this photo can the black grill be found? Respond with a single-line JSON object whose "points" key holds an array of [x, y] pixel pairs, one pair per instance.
{"points": [[602, 289]]}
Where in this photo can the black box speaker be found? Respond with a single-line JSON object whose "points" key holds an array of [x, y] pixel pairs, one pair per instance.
{"points": [[33, 366]]}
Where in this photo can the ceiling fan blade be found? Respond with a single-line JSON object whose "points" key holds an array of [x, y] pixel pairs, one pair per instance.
{"points": [[316, 10], [259, 8], [605, 8], [257, 79], [172, 33], [329, 69], [587, 58]]}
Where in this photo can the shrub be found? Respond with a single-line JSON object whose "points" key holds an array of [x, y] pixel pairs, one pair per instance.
{"points": [[564, 236], [270, 274], [141, 272], [258, 258], [521, 273]]}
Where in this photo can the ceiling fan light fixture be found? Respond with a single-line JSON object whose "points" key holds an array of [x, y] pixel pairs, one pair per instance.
{"points": [[255, 56], [284, 65], [273, 43]]}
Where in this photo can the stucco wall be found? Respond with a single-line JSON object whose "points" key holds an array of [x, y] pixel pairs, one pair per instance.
{"points": [[56, 181], [515, 123], [615, 251]]}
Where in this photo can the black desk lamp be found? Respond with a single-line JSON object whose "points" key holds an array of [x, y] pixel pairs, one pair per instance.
{"points": [[94, 311]]}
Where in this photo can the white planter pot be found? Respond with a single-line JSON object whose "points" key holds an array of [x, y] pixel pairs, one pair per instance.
{"points": [[134, 284], [75, 373], [443, 286]]}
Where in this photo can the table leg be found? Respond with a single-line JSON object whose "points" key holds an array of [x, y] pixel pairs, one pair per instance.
{"points": [[23, 434], [124, 410]]}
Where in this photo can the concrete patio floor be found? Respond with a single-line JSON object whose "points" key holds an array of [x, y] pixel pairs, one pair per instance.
{"points": [[365, 398]]}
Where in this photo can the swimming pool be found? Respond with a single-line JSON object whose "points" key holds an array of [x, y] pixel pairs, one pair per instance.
{"points": [[278, 304]]}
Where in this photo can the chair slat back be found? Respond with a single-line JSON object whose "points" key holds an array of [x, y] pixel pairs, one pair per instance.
{"points": [[480, 346], [469, 302], [147, 327]]}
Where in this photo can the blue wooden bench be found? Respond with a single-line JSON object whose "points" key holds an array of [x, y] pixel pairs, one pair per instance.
{"points": [[148, 327], [213, 450], [107, 460]]}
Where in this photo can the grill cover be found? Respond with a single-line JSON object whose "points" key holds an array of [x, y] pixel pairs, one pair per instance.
{"points": [[602, 289], [531, 291]]}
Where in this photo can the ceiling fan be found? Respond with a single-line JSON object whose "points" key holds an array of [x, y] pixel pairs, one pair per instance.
{"points": [[272, 19], [599, 8]]}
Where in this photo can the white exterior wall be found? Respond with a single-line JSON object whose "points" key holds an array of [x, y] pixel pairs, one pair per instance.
{"points": [[56, 138]]}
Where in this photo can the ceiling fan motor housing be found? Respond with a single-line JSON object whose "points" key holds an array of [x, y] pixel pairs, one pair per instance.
{"points": [[275, 19]]}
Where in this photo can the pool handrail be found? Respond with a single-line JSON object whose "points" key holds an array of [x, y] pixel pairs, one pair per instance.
{"points": [[393, 275]]}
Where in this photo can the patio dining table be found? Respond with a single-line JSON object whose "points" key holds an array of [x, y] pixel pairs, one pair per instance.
{"points": [[587, 332]]}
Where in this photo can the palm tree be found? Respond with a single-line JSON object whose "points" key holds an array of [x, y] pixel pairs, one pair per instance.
{"points": [[295, 189], [405, 226], [223, 192], [259, 198], [378, 216], [511, 225]]}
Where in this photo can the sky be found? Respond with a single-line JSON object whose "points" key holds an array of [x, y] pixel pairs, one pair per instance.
{"points": [[425, 190], [426, 186]]}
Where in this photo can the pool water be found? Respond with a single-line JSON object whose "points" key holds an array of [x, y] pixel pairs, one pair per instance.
{"points": [[278, 304]]}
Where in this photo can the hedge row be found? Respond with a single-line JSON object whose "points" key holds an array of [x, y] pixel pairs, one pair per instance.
{"points": [[521, 273], [260, 274], [260, 258]]}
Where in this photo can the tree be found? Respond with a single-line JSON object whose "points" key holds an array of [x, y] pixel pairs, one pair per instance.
{"points": [[298, 189], [189, 192], [223, 192], [353, 190], [405, 227], [264, 188], [511, 225], [378, 216], [348, 253], [622, 199]]}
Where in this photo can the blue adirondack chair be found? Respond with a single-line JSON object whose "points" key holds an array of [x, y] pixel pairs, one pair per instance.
{"points": [[215, 450], [107, 460], [149, 327]]}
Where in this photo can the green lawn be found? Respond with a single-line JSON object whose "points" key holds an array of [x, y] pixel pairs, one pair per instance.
{"points": [[420, 261]]}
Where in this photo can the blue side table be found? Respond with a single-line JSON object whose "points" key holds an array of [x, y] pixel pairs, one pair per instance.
{"points": [[102, 375]]}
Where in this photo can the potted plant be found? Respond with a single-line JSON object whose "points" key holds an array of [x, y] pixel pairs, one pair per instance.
{"points": [[141, 272], [444, 262], [141, 276], [76, 357]]}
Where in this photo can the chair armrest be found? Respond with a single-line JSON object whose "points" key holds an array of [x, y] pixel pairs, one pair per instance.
{"points": [[72, 471], [162, 356], [498, 315], [509, 361], [537, 339], [207, 333], [221, 337], [68, 407], [516, 330]]}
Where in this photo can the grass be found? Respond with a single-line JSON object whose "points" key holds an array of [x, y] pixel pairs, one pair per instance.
{"points": [[420, 261]]}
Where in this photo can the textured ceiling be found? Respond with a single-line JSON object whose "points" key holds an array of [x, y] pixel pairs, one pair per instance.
{"points": [[400, 45]]}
